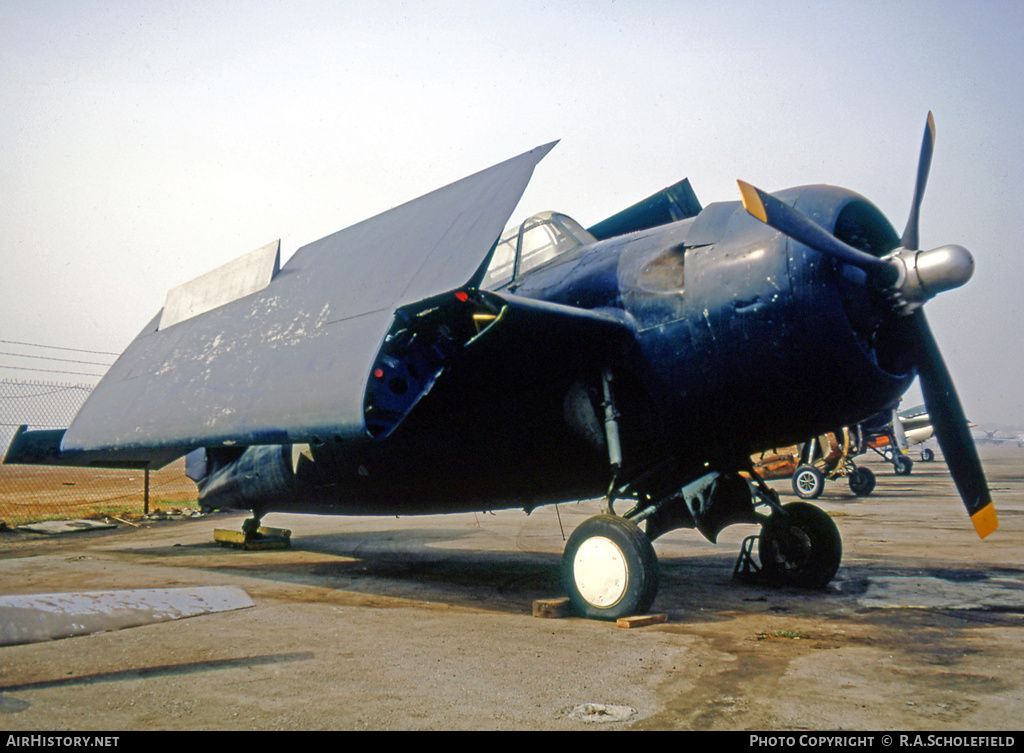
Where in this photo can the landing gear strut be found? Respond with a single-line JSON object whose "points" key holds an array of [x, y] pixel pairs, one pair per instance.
{"points": [[609, 568]]}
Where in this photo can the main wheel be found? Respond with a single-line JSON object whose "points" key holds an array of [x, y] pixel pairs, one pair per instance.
{"points": [[927, 455], [902, 464], [800, 548], [808, 482], [862, 481], [609, 568]]}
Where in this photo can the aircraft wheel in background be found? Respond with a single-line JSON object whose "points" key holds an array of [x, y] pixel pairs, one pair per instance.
{"points": [[862, 481], [609, 568], [927, 455], [801, 548], [808, 482], [902, 464]]}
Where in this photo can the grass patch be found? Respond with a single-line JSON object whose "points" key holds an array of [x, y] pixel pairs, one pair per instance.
{"points": [[789, 635]]}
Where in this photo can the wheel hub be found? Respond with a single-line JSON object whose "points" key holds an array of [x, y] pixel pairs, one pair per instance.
{"points": [[807, 482], [599, 570], [793, 549]]}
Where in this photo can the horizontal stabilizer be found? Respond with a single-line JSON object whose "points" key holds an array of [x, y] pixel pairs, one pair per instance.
{"points": [[40, 447], [43, 447]]}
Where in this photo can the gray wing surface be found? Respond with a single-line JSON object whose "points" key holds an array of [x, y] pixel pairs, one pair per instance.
{"points": [[289, 363]]}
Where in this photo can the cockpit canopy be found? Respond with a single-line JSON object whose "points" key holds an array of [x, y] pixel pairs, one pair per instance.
{"points": [[537, 240]]}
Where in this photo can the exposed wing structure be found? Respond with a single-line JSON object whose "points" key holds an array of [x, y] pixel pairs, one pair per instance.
{"points": [[477, 346], [289, 363]]}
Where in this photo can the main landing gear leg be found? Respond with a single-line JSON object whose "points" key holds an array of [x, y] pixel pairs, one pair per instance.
{"points": [[611, 435], [609, 567]]}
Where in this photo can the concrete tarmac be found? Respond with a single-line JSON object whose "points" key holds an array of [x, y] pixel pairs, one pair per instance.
{"points": [[425, 624]]}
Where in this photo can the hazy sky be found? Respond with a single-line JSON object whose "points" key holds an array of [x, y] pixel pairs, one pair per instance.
{"points": [[145, 143]]}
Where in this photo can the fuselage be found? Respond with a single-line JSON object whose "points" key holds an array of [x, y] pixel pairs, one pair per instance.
{"points": [[741, 339], [745, 338]]}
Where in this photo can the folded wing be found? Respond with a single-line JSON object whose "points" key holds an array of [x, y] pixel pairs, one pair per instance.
{"points": [[290, 362]]}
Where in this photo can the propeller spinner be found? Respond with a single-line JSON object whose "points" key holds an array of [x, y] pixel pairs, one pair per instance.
{"points": [[909, 277]]}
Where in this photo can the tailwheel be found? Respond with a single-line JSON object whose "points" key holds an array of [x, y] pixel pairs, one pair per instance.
{"points": [[609, 568], [800, 546]]}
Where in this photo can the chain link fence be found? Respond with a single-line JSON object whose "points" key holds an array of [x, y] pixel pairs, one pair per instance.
{"points": [[31, 493]]}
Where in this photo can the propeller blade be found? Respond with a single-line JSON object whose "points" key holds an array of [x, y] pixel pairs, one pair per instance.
{"points": [[950, 425], [799, 227], [924, 163], [941, 399]]}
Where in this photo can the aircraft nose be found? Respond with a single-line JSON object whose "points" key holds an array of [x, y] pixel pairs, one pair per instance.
{"points": [[922, 275]]}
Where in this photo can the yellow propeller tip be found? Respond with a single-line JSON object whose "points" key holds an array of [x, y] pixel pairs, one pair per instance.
{"points": [[985, 520], [752, 201]]}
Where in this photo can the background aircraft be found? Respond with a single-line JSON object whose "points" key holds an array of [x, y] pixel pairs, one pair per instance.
{"points": [[421, 362], [892, 433], [824, 458], [888, 433], [916, 427], [1001, 436]]}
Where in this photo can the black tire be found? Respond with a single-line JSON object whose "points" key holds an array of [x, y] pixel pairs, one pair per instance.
{"points": [[808, 482], [927, 455], [902, 464], [802, 548], [609, 568], [862, 481]]}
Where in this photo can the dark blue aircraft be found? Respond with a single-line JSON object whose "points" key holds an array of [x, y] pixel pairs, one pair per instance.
{"points": [[422, 362]]}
